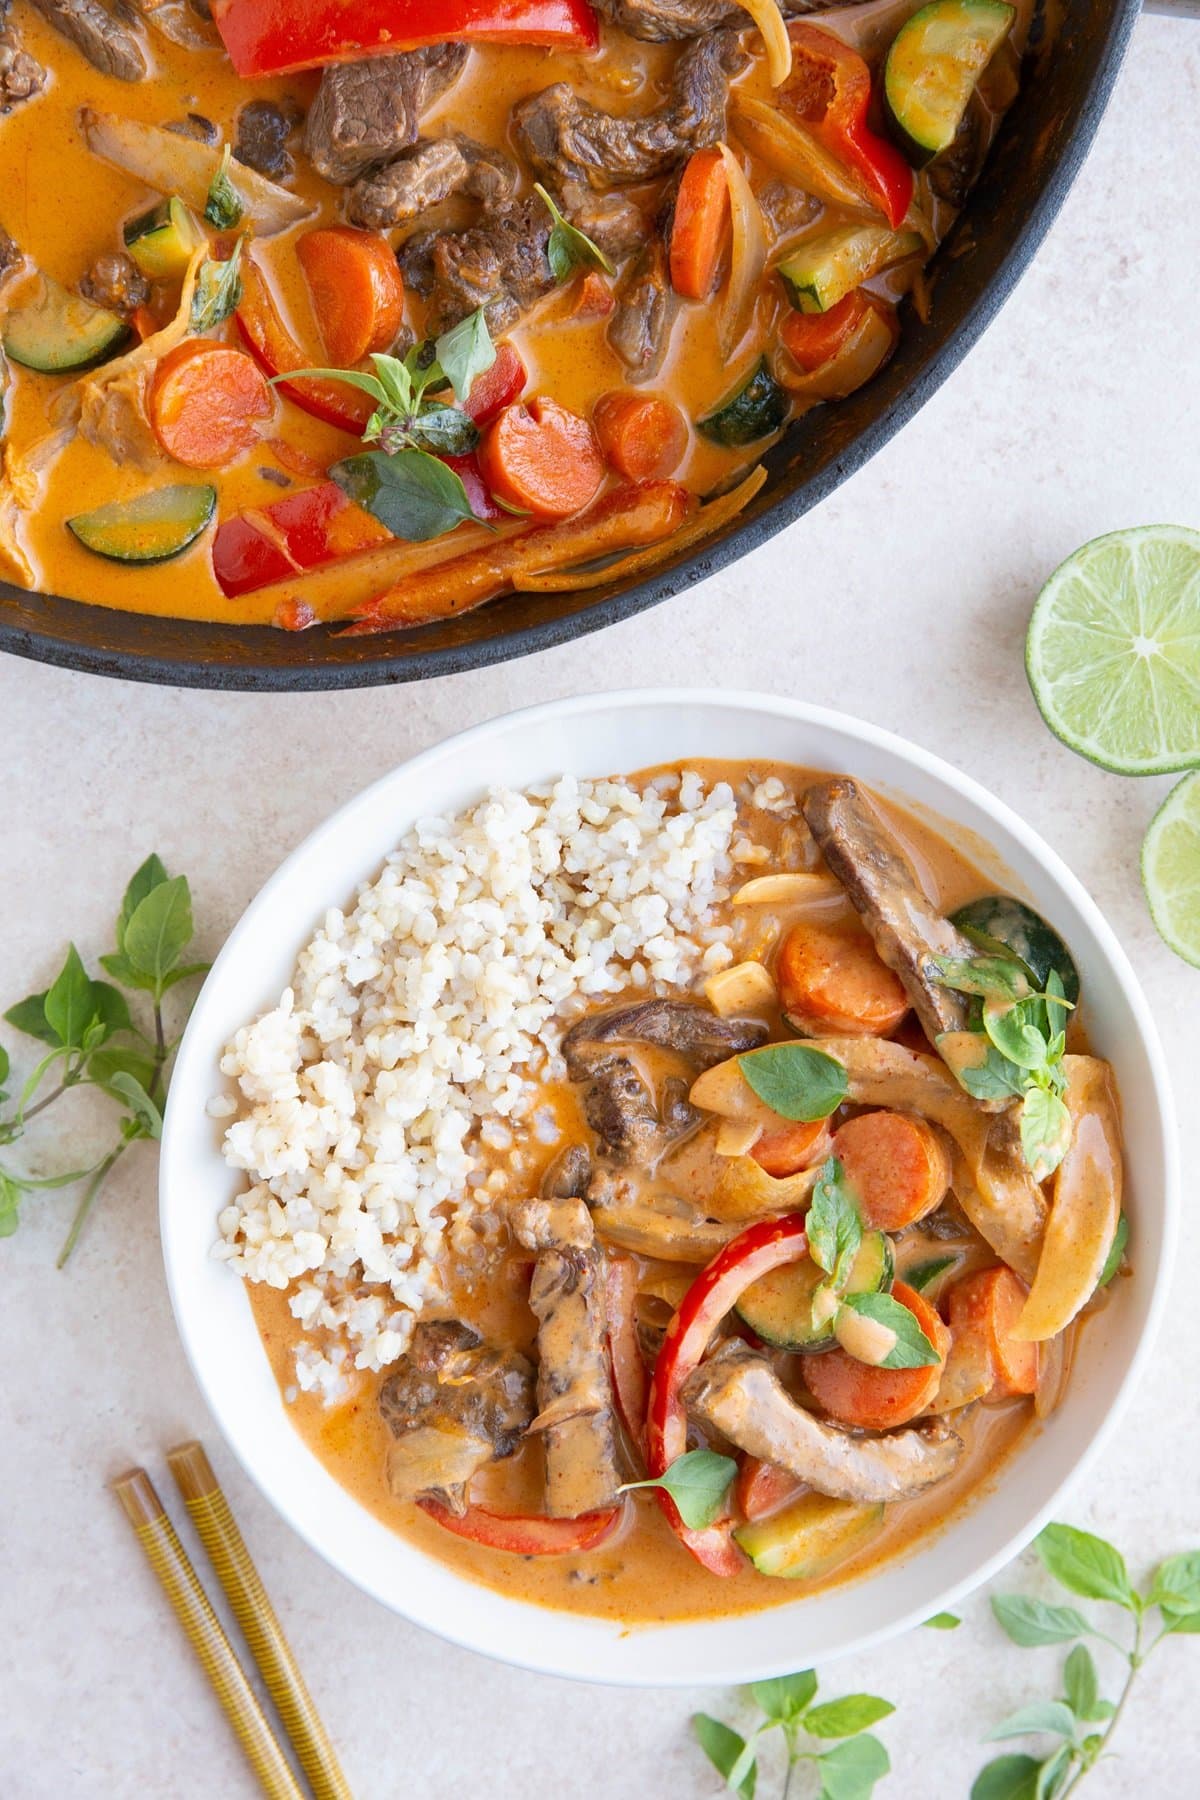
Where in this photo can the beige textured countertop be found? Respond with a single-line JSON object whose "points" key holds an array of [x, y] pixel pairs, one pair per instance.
{"points": [[903, 599]]}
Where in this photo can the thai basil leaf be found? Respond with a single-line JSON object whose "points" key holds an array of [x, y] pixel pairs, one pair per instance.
{"points": [[1081, 1684], [1086, 1564], [5, 1065], [569, 248], [846, 1717], [118, 1059], [912, 1349], [118, 965], [443, 429], [994, 1079], [991, 977], [1032, 1623], [943, 1621], [1176, 1586], [10, 1205], [724, 1750], [141, 1106], [697, 1482], [152, 874], [1045, 1131], [1007, 1778], [463, 354], [367, 384], [850, 1771], [784, 1697], [68, 1005], [223, 207], [218, 290], [29, 1016], [1040, 1715], [1014, 1034], [413, 494], [160, 929], [1116, 1252], [795, 1081], [834, 1224]]}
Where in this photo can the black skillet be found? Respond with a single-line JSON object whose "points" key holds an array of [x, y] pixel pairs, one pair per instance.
{"points": [[1032, 165]]}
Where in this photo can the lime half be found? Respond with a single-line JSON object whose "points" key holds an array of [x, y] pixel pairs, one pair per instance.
{"points": [[1113, 651], [1171, 869]]}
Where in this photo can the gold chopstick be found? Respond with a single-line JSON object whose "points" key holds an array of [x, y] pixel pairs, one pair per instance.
{"points": [[169, 1560], [218, 1532]]}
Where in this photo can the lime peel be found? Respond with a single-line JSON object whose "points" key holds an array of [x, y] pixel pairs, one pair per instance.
{"points": [[1171, 869]]}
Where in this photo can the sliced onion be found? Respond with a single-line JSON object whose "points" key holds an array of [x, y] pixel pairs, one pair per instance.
{"points": [[769, 19], [747, 257], [862, 355], [785, 146]]}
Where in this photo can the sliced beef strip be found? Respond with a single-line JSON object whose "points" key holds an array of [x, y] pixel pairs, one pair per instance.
{"points": [[109, 45], [180, 22], [452, 1404], [21, 75], [574, 1390], [367, 112], [684, 1026], [568, 1175], [500, 265], [195, 125], [737, 1394], [115, 281], [647, 307], [261, 137], [660, 21], [433, 170], [567, 138], [615, 223], [906, 927]]}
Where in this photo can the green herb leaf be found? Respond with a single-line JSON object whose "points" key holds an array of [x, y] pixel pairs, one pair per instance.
{"points": [[10, 1204], [1081, 1684], [1178, 1623], [569, 248], [117, 1059], [118, 965], [912, 1349], [140, 1104], [217, 292], [723, 1748], [4, 1063], [1052, 1774], [356, 378], [444, 430], [186, 973], [784, 1697], [1007, 1778], [223, 207], [1176, 1585], [943, 1621], [1045, 1131], [160, 929], [413, 494], [152, 874], [29, 1016], [397, 387], [464, 353], [850, 1771], [1032, 1623], [993, 1079], [1058, 1007], [834, 1224], [924, 1274], [1040, 1715], [795, 1081], [1086, 1564], [991, 977], [1013, 1032], [846, 1717], [697, 1482], [1116, 1252], [68, 1004]]}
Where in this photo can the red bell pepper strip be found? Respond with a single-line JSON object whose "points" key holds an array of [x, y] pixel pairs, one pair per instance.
{"points": [[275, 37], [268, 543], [497, 387], [830, 91], [276, 351], [716, 1289], [525, 1534], [629, 1379], [762, 1488]]}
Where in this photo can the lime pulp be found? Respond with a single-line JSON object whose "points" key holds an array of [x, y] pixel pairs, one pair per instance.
{"points": [[1171, 869]]}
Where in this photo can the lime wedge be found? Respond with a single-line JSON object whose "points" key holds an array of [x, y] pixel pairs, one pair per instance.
{"points": [[1113, 651], [1171, 869]]}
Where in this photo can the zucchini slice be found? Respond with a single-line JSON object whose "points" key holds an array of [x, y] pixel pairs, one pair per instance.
{"points": [[757, 410], [54, 331], [779, 1307], [163, 241], [811, 1536], [997, 922], [932, 68], [825, 268], [149, 528]]}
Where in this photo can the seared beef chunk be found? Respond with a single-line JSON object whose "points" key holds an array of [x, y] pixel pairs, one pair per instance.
{"points": [[108, 45], [685, 1026], [263, 130], [647, 305], [658, 21], [452, 1404], [186, 22], [621, 1109], [195, 125], [115, 281], [367, 112], [433, 170], [11, 255], [566, 137], [737, 1394], [906, 927], [574, 1393], [612, 221], [21, 77], [786, 209], [568, 1175], [500, 265], [415, 257]]}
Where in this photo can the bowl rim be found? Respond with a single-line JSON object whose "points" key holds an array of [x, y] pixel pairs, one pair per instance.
{"points": [[521, 1651]]}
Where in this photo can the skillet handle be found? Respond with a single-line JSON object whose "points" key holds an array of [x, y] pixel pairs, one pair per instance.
{"points": [[1173, 9]]}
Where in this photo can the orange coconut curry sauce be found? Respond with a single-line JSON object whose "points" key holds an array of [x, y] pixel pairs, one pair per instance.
{"points": [[748, 265], [758, 1373]]}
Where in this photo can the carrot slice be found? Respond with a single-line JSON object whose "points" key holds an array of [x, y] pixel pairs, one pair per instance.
{"points": [[206, 403], [812, 339], [855, 1393], [541, 458], [790, 1149], [643, 436], [701, 225], [896, 1164], [986, 1306], [357, 290], [833, 983]]}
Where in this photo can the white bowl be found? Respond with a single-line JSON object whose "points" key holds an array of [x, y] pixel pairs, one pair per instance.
{"points": [[598, 735]]}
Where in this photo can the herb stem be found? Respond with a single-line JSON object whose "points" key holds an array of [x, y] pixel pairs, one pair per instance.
{"points": [[97, 1181], [1135, 1659], [160, 1052], [65, 1085]]}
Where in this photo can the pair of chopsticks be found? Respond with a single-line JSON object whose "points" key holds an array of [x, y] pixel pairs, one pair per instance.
{"points": [[218, 1532]]}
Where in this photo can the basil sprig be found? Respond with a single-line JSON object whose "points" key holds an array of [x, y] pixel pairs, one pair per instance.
{"points": [[569, 248], [795, 1081], [835, 1234], [1025, 1036], [697, 1482], [832, 1735], [218, 290], [223, 207]]}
